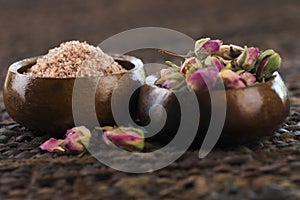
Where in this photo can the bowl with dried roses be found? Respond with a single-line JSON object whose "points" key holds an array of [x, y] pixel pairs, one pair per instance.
{"points": [[246, 78]]}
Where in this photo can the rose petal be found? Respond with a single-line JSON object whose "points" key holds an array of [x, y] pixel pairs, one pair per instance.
{"points": [[53, 145]]}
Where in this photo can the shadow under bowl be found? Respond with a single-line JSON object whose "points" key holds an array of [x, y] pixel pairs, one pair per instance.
{"points": [[251, 112], [47, 104]]}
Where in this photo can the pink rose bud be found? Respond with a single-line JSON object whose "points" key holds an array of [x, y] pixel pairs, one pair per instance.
{"points": [[231, 79], [167, 72], [268, 63], [192, 62], [77, 138], [53, 145], [170, 79], [248, 78], [203, 79], [206, 46], [248, 58], [127, 138], [170, 84], [216, 62]]}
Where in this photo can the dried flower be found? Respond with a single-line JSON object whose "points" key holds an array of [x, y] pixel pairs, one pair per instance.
{"points": [[168, 71], [215, 62], [170, 79], [230, 52], [248, 78], [248, 58], [127, 138], [268, 62], [206, 46], [53, 145], [239, 67], [231, 79], [77, 138], [192, 62], [203, 79]]}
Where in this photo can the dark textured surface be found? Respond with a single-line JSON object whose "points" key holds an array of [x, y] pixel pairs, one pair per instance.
{"points": [[268, 169]]}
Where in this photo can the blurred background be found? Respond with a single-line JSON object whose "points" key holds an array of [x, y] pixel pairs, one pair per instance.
{"points": [[29, 28]]}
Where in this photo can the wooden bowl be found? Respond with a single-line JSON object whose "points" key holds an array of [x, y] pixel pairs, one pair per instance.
{"points": [[45, 104], [252, 112]]}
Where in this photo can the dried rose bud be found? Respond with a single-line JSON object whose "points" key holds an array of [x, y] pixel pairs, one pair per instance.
{"points": [[77, 138], [231, 79], [206, 46], [171, 84], [230, 52], [53, 145], [215, 62], [192, 62], [173, 81], [127, 138], [248, 78], [168, 71], [248, 58], [268, 63], [203, 79]]}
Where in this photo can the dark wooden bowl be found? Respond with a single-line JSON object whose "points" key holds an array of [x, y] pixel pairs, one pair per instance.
{"points": [[252, 112], [45, 104]]}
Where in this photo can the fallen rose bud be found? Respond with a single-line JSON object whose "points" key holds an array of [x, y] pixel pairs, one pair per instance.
{"points": [[77, 138], [268, 62], [247, 59], [206, 46], [53, 145], [231, 79], [203, 79], [127, 138], [248, 78]]}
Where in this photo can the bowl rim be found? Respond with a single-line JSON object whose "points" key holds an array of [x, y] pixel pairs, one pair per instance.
{"points": [[16, 66], [153, 77]]}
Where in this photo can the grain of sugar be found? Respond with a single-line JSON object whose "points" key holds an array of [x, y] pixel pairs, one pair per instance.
{"points": [[74, 59]]}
